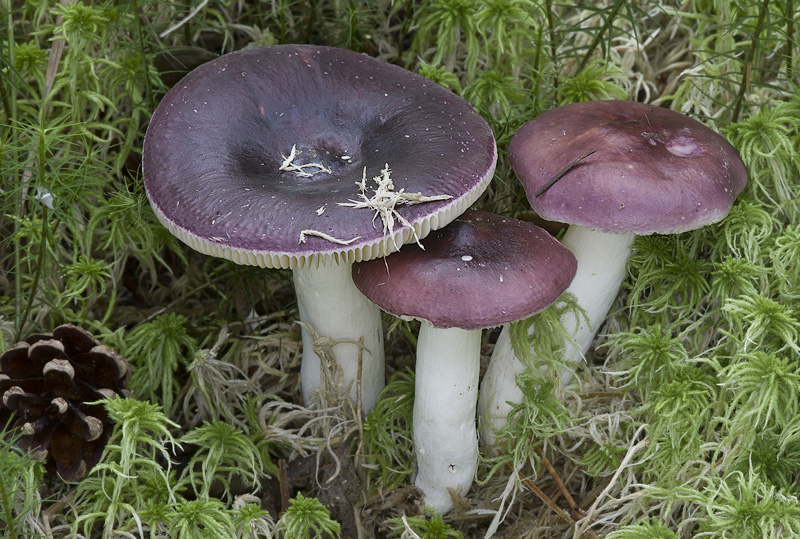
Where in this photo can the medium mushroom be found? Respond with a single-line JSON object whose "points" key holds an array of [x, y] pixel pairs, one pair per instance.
{"points": [[621, 168], [262, 156], [480, 271]]}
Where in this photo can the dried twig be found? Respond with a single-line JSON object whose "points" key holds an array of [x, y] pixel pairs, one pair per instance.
{"points": [[284, 485], [559, 483], [549, 502], [184, 20]]}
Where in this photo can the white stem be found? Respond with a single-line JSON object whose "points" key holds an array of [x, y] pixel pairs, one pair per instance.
{"points": [[499, 387], [602, 258], [446, 391], [330, 303]]}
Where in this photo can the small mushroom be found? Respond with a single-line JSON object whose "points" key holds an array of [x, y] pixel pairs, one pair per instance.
{"points": [[636, 169], [264, 157], [480, 271]]}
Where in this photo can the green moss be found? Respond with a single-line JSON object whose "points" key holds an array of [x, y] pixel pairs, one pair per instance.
{"points": [[653, 529], [306, 516], [433, 527], [700, 351]]}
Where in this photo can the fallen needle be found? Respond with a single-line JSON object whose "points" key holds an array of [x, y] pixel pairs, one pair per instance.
{"points": [[558, 176]]}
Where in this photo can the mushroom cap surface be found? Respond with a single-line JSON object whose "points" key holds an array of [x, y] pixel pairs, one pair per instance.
{"points": [[481, 270], [215, 145], [654, 171]]}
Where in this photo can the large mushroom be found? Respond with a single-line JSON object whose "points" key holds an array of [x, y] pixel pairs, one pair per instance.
{"points": [[265, 157], [636, 169], [480, 271]]}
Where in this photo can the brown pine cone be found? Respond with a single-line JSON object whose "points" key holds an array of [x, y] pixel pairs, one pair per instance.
{"points": [[46, 382]]}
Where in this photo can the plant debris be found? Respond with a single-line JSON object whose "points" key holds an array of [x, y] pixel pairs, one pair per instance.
{"points": [[290, 166], [383, 201]]}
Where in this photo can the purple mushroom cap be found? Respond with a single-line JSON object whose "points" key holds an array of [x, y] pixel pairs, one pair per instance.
{"points": [[214, 147], [481, 270], [654, 170]]}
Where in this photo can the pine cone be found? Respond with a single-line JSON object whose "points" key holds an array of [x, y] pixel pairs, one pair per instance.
{"points": [[46, 382]]}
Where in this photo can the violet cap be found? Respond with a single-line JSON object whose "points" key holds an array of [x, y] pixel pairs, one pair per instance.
{"points": [[480, 271], [654, 170], [215, 146]]}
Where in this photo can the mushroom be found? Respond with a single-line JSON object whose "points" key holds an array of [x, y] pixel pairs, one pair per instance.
{"points": [[621, 168], [480, 271], [262, 156]]}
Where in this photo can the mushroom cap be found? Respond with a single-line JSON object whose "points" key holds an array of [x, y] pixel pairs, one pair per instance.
{"points": [[215, 145], [481, 270], [654, 171]]}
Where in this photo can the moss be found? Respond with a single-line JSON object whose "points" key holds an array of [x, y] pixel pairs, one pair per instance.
{"points": [[685, 420]]}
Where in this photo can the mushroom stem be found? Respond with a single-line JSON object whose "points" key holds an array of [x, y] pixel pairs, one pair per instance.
{"points": [[446, 391], [330, 306], [602, 259]]}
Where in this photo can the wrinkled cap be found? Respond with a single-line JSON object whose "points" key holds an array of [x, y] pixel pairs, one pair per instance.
{"points": [[654, 170], [481, 270], [252, 149]]}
